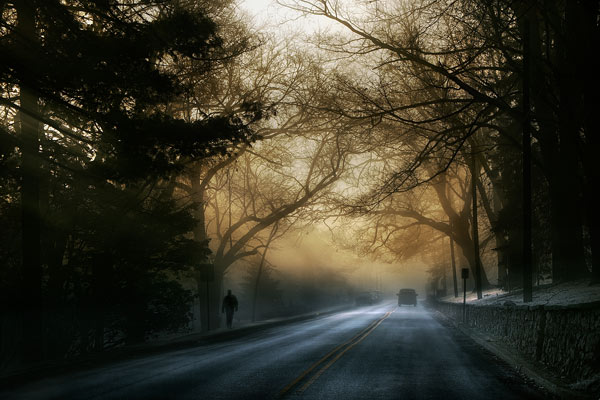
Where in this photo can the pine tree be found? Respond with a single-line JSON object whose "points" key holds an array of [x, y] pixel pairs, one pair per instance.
{"points": [[87, 137]]}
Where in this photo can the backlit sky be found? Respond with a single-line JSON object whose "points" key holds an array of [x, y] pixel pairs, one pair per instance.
{"points": [[256, 5], [278, 17]]}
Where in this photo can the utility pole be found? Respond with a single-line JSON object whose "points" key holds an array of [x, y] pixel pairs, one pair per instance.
{"points": [[475, 226], [207, 275], [31, 301]]}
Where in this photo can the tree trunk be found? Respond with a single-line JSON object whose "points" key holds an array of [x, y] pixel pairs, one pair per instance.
{"points": [[591, 206], [475, 228], [526, 164], [101, 275], [460, 230], [216, 297], [206, 300], [31, 289], [462, 238], [592, 130], [567, 189], [256, 285], [54, 304], [502, 258], [558, 141], [565, 196], [260, 270], [210, 299], [568, 254], [201, 292], [543, 106]]}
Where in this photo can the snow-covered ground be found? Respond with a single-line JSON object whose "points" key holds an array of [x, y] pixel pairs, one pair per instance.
{"points": [[570, 293]]}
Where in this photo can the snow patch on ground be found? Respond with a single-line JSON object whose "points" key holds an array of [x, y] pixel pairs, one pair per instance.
{"points": [[569, 293]]}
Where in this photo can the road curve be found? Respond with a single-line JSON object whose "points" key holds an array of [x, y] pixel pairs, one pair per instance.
{"points": [[376, 352]]}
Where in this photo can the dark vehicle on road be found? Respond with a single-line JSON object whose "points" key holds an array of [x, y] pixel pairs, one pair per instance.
{"points": [[407, 296], [366, 298]]}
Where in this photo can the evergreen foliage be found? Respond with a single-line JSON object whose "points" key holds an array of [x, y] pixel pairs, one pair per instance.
{"points": [[88, 85]]}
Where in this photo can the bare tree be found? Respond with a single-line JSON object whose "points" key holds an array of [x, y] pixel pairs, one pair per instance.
{"points": [[300, 153], [474, 50]]}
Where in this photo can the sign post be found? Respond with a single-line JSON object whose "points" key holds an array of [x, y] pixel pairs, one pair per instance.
{"points": [[464, 275]]}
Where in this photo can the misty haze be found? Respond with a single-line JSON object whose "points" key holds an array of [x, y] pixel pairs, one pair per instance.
{"points": [[316, 199]]}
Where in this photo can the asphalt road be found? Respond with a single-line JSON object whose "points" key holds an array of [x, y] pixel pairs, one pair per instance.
{"points": [[375, 352]]}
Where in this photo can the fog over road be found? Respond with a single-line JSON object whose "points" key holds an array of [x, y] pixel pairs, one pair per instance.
{"points": [[376, 352]]}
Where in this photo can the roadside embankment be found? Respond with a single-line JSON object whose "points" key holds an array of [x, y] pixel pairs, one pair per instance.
{"points": [[561, 342]]}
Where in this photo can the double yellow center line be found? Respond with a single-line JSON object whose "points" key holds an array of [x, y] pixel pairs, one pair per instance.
{"points": [[330, 358]]}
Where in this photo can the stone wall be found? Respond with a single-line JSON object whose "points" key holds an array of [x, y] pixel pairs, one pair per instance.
{"points": [[565, 338]]}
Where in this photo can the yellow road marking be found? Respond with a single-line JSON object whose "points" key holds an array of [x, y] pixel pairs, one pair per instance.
{"points": [[330, 363], [302, 375], [349, 343]]}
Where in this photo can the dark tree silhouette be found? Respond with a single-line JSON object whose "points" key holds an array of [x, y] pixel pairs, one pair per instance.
{"points": [[90, 142]]}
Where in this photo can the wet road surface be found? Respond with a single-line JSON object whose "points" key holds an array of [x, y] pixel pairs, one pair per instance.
{"points": [[374, 352]]}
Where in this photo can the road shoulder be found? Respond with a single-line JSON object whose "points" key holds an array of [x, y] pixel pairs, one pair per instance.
{"points": [[530, 370], [90, 361]]}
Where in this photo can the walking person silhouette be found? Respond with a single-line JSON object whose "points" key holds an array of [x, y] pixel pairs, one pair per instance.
{"points": [[230, 304]]}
